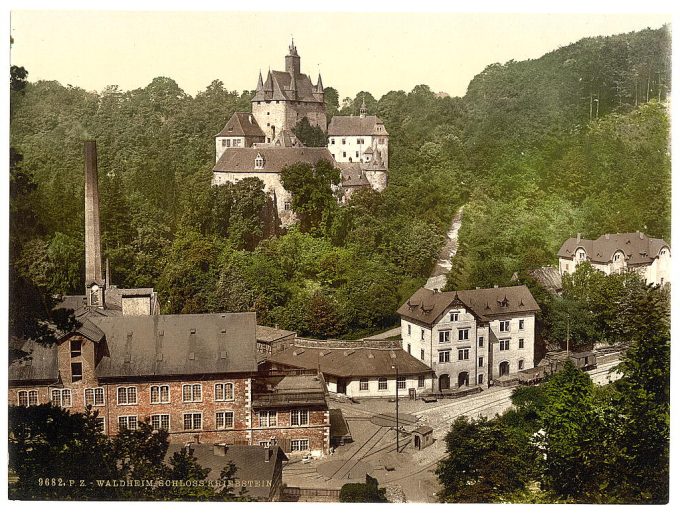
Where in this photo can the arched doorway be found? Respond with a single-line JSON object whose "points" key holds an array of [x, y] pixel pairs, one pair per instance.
{"points": [[463, 379], [504, 369], [444, 382]]}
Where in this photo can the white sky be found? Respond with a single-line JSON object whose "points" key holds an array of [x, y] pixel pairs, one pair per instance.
{"points": [[377, 52]]}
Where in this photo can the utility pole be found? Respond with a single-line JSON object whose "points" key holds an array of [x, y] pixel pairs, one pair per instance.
{"points": [[396, 391], [567, 336]]}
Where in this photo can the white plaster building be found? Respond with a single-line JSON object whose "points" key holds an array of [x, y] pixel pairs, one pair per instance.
{"points": [[240, 131], [619, 252], [266, 164], [358, 369], [362, 140], [470, 337]]}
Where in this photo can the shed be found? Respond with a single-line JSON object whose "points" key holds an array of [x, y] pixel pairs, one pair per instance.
{"points": [[422, 437]]}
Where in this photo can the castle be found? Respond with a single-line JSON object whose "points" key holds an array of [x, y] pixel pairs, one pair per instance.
{"points": [[261, 143]]}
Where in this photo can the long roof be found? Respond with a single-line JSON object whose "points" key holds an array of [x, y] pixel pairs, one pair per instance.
{"points": [[177, 344], [350, 362], [639, 248], [427, 306], [356, 126], [275, 158], [241, 124], [37, 363]]}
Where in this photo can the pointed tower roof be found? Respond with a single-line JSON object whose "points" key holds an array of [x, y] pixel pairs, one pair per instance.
{"points": [[259, 92], [319, 85], [268, 85], [362, 110], [292, 50]]}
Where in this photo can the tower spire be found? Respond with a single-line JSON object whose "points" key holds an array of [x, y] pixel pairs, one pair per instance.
{"points": [[363, 111]]}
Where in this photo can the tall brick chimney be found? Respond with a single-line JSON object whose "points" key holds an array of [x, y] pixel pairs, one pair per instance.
{"points": [[94, 282]]}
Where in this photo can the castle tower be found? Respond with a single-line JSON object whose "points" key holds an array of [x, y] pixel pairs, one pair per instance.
{"points": [[94, 282], [362, 110], [293, 60]]}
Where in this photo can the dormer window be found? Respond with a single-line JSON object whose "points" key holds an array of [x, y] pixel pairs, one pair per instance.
{"points": [[259, 161], [617, 257], [581, 255]]}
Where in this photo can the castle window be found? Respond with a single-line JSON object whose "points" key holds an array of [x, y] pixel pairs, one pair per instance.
{"points": [[160, 394], [127, 395], [344, 141], [464, 354], [521, 324], [357, 154], [422, 354], [464, 334], [504, 344], [521, 343], [160, 421], [481, 362], [445, 356], [422, 334], [382, 384], [259, 160], [193, 421], [401, 382], [421, 381], [76, 371], [480, 379], [286, 206], [480, 341], [520, 365], [444, 336], [363, 384], [94, 397], [76, 348], [332, 141], [224, 391], [224, 420], [505, 326]]}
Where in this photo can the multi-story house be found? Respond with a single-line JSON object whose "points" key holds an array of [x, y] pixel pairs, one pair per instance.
{"points": [[195, 376], [470, 337], [364, 142], [619, 252]]}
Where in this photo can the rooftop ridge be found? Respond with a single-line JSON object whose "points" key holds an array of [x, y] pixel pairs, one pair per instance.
{"points": [[346, 344]]}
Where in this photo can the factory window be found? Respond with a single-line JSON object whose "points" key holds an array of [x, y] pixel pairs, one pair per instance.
{"points": [[224, 391], [127, 395], [299, 445], [76, 348], [127, 423], [94, 397], [299, 417], [160, 421], [61, 397], [76, 371], [160, 394], [192, 392], [224, 420], [193, 421]]}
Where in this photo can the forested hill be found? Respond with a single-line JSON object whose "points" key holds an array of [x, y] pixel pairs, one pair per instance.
{"points": [[576, 140]]}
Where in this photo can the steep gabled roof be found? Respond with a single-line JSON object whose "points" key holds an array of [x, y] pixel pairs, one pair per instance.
{"points": [[427, 306], [356, 126], [639, 248], [241, 124], [275, 158]]}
